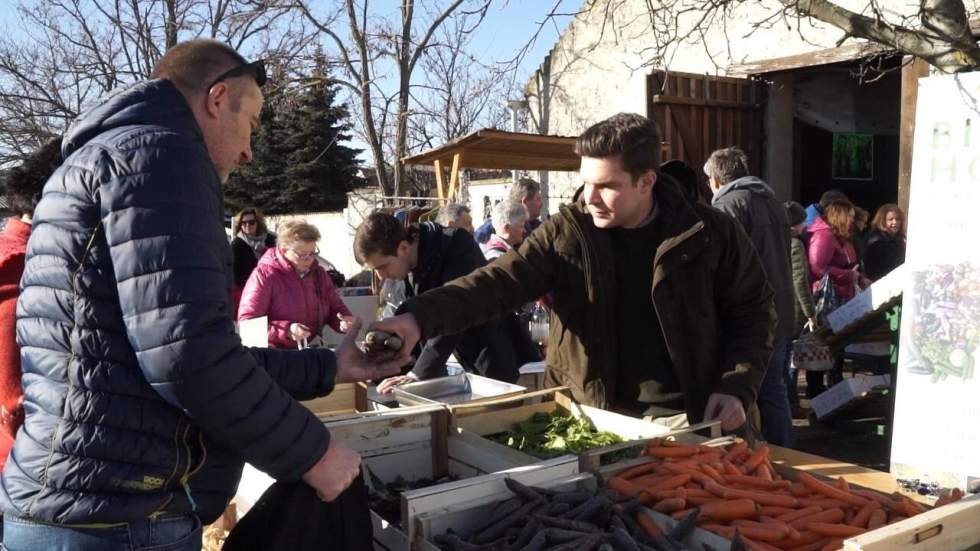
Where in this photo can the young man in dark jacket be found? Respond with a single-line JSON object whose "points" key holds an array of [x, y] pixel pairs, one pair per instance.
{"points": [[427, 256], [659, 305], [142, 405], [753, 204]]}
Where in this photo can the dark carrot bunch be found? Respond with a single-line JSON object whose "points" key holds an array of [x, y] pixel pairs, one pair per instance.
{"points": [[536, 519], [735, 492]]}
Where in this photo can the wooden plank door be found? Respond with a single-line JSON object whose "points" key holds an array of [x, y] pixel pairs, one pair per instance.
{"points": [[698, 114]]}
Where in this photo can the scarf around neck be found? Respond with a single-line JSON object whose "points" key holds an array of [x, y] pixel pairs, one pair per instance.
{"points": [[257, 242]]}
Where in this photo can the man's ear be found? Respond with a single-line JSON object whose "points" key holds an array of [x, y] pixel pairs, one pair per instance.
{"points": [[217, 95], [648, 180]]}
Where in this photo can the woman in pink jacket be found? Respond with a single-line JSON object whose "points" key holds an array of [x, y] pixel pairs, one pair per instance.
{"points": [[831, 250], [293, 290]]}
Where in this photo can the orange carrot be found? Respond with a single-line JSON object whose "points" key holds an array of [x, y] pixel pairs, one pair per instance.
{"points": [[696, 474], [701, 500], [887, 502], [877, 519], [680, 451], [892, 519], [835, 493], [830, 515], [622, 487], [834, 545], [756, 545], [835, 530], [763, 472], [755, 459], [842, 484], [756, 482], [825, 502], [639, 470], [730, 468], [798, 489], [670, 505], [816, 545], [802, 539], [774, 511], [648, 525], [735, 451], [729, 510], [861, 518], [761, 532], [670, 483], [800, 513], [710, 471], [762, 498]]}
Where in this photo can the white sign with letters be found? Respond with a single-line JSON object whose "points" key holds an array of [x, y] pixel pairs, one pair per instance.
{"points": [[937, 410]]}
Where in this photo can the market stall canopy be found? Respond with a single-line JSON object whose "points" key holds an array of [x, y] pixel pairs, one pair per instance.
{"points": [[498, 149]]}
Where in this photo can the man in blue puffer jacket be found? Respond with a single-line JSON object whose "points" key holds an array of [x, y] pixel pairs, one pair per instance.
{"points": [[141, 403]]}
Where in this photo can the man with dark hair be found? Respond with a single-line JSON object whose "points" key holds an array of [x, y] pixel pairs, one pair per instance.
{"points": [[660, 306], [753, 203], [426, 256], [23, 185], [527, 192], [142, 405]]}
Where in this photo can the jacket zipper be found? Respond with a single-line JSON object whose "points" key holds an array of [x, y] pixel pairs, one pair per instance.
{"points": [[186, 475], [656, 260]]}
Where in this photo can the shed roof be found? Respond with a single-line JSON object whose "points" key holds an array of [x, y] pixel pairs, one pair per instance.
{"points": [[498, 149]]}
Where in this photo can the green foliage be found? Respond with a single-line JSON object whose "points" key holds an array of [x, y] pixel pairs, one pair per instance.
{"points": [[547, 435], [300, 161]]}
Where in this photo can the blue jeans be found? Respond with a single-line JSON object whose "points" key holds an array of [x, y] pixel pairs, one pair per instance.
{"points": [[792, 378], [166, 532], [777, 420]]}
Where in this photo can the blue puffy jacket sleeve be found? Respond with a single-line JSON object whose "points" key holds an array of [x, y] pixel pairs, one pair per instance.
{"points": [[171, 261]]}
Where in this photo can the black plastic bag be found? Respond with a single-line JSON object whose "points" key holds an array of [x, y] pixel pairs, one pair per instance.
{"points": [[290, 516]]}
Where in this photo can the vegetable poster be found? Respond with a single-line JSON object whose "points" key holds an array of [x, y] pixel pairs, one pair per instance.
{"points": [[937, 411]]}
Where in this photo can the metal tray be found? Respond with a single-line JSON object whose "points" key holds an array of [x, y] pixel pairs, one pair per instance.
{"points": [[454, 389]]}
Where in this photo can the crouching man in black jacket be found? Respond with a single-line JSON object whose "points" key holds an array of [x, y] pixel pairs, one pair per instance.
{"points": [[427, 256], [141, 403]]}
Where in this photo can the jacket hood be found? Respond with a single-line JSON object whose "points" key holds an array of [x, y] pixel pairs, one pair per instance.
{"points": [[751, 184], [151, 102], [819, 224]]}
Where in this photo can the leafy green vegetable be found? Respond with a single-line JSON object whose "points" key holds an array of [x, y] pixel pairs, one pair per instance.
{"points": [[547, 435]]}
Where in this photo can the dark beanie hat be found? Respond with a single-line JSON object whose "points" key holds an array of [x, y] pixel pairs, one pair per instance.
{"points": [[796, 213]]}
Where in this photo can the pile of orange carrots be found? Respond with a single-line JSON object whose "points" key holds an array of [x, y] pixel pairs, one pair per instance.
{"points": [[737, 489]]}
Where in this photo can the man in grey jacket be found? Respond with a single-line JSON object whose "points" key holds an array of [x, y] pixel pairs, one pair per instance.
{"points": [[752, 202]]}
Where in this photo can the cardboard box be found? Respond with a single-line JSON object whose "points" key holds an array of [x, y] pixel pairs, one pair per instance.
{"points": [[846, 392], [879, 296]]}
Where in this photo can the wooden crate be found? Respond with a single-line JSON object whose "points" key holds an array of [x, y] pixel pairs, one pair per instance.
{"points": [[346, 398], [466, 508], [418, 443], [953, 527], [500, 415]]}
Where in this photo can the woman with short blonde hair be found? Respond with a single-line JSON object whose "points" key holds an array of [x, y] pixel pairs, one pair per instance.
{"points": [[293, 290]]}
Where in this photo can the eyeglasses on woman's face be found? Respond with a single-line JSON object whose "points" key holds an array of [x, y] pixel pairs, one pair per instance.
{"points": [[299, 256], [250, 222]]}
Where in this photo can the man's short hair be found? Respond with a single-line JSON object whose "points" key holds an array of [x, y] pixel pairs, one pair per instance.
{"points": [[524, 189], [25, 182], [830, 196], [727, 165], [633, 138], [193, 65], [510, 212], [450, 213], [380, 233]]}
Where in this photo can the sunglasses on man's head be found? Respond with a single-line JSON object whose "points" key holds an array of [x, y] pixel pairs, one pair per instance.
{"points": [[255, 69]]}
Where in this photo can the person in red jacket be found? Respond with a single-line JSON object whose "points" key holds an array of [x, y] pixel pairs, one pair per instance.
{"points": [[293, 290], [24, 184]]}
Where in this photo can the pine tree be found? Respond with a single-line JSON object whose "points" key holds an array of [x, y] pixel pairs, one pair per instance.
{"points": [[300, 162], [320, 169]]}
